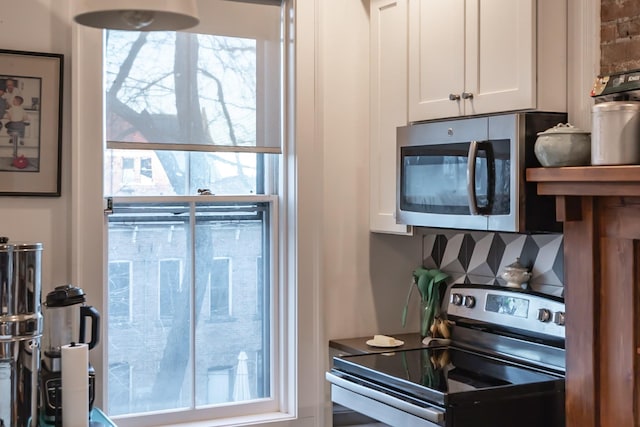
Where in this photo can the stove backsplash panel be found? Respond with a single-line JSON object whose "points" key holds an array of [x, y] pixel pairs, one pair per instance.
{"points": [[480, 257]]}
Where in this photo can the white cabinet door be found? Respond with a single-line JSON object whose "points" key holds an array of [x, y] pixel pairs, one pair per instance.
{"points": [[472, 57], [436, 58], [500, 56], [388, 38]]}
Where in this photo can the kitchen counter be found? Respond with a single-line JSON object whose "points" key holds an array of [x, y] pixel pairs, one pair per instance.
{"points": [[359, 345]]}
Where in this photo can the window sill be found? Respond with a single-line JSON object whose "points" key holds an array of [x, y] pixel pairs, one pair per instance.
{"points": [[271, 419]]}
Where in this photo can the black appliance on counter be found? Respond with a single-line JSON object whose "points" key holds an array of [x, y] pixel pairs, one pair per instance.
{"points": [[65, 322], [504, 366]]}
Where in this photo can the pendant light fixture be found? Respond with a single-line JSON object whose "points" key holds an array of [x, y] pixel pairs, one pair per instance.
{"points": [[137, 15]]}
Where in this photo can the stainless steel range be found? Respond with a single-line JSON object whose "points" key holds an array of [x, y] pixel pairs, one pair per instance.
{"points": [[503, 367]]}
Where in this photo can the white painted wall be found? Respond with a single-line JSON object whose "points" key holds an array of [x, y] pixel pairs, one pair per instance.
{"points": [[42, 26]]}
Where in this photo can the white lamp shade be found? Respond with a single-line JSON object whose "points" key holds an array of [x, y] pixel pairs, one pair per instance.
{"points": [[138, 15]]}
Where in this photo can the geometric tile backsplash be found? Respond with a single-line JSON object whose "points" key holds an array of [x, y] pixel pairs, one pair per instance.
{"points": [[480, 257]]}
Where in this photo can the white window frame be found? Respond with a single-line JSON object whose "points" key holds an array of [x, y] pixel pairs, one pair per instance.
{"points": [[303, 395]]}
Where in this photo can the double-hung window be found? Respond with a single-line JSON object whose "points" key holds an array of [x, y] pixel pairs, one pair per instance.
{"points": [[193, 127]]}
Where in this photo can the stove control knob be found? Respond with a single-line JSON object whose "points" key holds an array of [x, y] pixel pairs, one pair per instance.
{"points": [[456, 299], [469, 301], [558, 318], [544, 315]]}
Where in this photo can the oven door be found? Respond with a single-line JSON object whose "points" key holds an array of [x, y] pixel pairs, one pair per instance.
{"points": [[364, 398]]}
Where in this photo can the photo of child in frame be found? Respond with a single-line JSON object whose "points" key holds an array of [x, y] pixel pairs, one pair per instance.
{"points": [[19, 123]]}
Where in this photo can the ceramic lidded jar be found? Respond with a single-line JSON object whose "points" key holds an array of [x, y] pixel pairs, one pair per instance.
{"points": [[563, 145], [516, 274]]}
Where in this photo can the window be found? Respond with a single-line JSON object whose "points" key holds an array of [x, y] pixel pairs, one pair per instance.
{"points": [[146, 167], [171, 362], [193, 130]]}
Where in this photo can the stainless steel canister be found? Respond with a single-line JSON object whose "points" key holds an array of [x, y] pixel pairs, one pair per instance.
{"points": [[615, 137], [20, 332]]}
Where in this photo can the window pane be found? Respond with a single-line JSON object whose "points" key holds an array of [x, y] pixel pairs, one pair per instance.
{"points": [[120, 287], [231, 339], [169, 277], [175, 173], [120, 378], [219, 282], [185, 88]]}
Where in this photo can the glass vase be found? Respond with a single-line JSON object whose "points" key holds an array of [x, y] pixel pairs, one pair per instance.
{"points": [[426, 318]]}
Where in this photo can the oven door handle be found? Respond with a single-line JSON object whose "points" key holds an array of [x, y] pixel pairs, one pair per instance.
{"points": [[429, 414]]}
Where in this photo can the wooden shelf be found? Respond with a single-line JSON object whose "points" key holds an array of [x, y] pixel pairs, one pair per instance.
{"points": [[587, 180]]}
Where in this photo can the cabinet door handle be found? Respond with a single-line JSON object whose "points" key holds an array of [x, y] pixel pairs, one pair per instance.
{"points": [[467, 95], [454, 97]]}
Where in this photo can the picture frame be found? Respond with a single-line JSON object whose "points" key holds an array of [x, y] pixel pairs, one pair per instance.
{"points": [[31, 89]]}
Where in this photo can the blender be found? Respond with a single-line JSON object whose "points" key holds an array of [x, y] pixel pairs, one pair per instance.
{"points": [[65, 322]]}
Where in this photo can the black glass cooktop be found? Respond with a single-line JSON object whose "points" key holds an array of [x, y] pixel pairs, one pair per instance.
{"points": [[444, 375]]}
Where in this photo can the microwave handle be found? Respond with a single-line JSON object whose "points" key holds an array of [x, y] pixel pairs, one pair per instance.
{"points": [[474, 147]]}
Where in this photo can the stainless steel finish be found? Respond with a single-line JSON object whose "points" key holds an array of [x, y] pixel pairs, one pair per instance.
{"points": [[392, 411], [530, 323], [516, 129], [511, 346], [527, 352], [454, 97], [6, 276], [468, 301], [456, 299], [615, 139], [20, 332], [23, 325], [432, 133], [20, 285], [467, 95], [471, 177], [544, 315]]}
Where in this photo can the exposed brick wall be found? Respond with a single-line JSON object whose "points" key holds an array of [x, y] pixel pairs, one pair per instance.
{"points": [[619, 35]]}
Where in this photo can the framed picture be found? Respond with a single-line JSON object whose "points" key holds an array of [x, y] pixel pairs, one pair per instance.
{"points": [[30, 123]]}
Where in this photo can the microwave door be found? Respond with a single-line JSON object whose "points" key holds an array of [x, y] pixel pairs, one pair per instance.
{"points": [[433, 186]]}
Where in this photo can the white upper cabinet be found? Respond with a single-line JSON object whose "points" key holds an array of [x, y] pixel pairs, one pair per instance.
{"points": [[470, 57], [388, 103]]}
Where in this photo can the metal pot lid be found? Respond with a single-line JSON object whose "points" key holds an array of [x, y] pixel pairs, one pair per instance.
{"points": [[616, 106], [5, 246], [562, 128], [65, 295], [27, 246]]}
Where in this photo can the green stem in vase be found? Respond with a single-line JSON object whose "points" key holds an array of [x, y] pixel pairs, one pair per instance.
{"points": [[429, 284]]}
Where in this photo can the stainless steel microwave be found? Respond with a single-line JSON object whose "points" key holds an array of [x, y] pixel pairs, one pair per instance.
{"points": [[469, 173]]}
